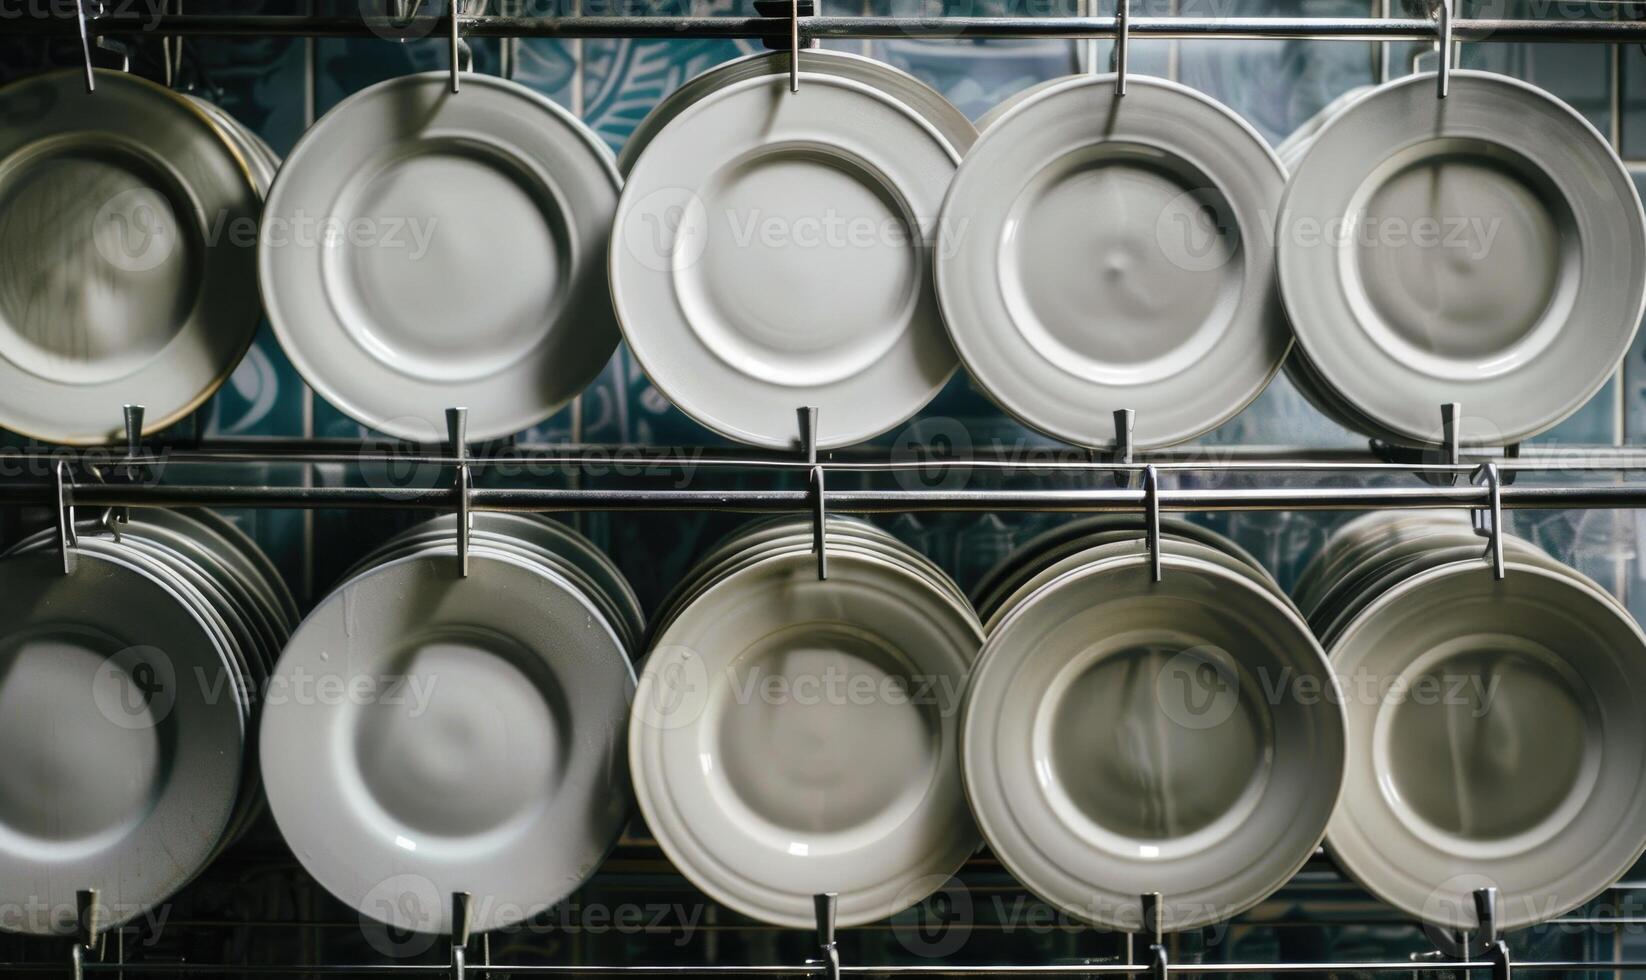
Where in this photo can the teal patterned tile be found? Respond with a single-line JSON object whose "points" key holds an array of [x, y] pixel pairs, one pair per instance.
{"points": [[976, 75], [1277, 85], [1634, 369], [1634, 101], [1578, 74]]}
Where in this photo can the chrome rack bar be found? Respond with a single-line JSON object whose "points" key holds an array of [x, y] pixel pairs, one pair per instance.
{"points": [[1085, 501], [811, 28], [1614, 967], [1025, 458]]}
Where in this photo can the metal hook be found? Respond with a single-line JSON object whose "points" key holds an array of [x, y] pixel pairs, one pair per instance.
{"points": [[1443, 31], [1122, 41], [456, 43], [457, 425], [461, 921], [794, 45], [1488, 521], [67, 541], [1151, 517], [85, 43], [808, 444], [823, 906], [1125, 420], [171, 48]]}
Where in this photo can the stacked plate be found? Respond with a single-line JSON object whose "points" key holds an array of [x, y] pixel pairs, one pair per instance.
{"points": [[1494, 726], [127, 692], [1123, 736], [793, 736], [130, 218], [900, 85], [1100, 253], [423, 249], [772, 248], [428, 732], [1487, 249], [264, 162]]}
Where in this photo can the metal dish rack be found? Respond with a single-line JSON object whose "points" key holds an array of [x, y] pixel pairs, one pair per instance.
{"points": [[115, 478]]}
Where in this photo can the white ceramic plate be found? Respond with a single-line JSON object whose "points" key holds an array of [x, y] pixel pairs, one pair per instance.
{"points": [[127, 265], [505, 778], [1099, 547], [1120, 736], [1101, 253], [766, 537], [792, 736], [567, 543], [423, 539], [1530, 775], [900, 85], [466, 259], [123, 739], [1487, 249], [1007, 577], [771, 252]]}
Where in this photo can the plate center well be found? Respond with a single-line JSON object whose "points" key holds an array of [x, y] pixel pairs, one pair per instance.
{"points": [[1155, 741], [822, 729], [82, 720], [1463, 256], [448, 263], [1120, 263], [812, 265], [455, 736], [1490, 743], [103, 264]]}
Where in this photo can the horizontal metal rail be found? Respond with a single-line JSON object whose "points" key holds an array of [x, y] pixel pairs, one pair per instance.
{"points": [[810, 969], [1097, 501], [778, 28], [1010, 458]]}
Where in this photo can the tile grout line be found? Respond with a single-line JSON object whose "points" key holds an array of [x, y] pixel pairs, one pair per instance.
{"points": [[310, 99]]}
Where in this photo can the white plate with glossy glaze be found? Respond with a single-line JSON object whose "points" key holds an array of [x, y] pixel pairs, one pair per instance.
{"points": [[423, 249], [124, 738], [1099, 253], [1500, 744], [1487, 249], [129, 272], [497, 770], [772, 251], [1122, 736], [793, 736], [900, 85]]}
